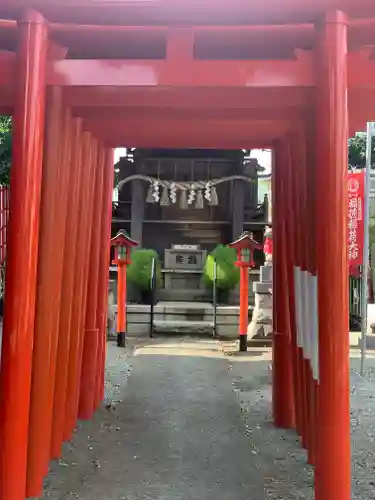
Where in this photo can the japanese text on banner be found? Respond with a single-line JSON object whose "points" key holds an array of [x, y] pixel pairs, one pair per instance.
{"points": [[355, 218]]}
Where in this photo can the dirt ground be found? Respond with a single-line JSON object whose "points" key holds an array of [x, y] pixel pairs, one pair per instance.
{"points": [[183, 418]]}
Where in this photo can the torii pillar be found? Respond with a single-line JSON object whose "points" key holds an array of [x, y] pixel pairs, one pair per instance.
{"points": [[332, 479], [22, 255], [282, 383]]}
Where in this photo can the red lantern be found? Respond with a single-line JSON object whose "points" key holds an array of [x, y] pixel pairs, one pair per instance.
{"points": [[245, 247], [123, 246]]}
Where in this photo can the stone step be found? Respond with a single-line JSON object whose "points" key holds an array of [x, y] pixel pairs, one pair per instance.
{"points": [[183, 295], [193, 307], [183, 327]]}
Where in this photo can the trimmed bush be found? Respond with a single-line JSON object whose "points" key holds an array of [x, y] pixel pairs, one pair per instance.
{"points": [[227, 273], [139, 271]]}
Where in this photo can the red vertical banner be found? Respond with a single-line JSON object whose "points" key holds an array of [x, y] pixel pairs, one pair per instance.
{"points": [[356, 195]]}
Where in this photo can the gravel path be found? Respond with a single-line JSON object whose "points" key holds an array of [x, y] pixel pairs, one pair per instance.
{"points": [[280, 457], [185, 420], [363, 429]]}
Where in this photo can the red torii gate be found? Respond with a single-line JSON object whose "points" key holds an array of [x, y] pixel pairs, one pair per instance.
{"points": [[303, 69]]}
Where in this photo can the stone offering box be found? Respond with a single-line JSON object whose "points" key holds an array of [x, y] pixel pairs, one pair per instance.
{"points": [[183, 268], [184, 257]]}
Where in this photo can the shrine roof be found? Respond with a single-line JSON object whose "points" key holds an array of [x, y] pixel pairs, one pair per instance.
{"points": [[138, 12]]}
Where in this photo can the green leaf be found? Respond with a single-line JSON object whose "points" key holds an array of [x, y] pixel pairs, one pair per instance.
{"points": [[139, 271], [227, 273]]}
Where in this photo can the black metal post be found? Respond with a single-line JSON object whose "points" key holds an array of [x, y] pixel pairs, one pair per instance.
{"points": [[121, 339], [153, 287], [214, 300]]}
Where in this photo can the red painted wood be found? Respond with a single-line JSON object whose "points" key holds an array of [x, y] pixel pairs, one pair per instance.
{"points": [[82, 242], [61, 221], [244, 300], [233, 104], [282, 384], [50, 264], [304, 249], [312, 263], [86, 268], [105, 235], [26, 176], [189, 98], [195, 142], [8, 24], [332, 478], [8, 62], [304, 200], [91, 333], [196, 73], [299, 156], [361, 32], [311, 267], [361, 102], [213, 133], [254, 115], [291, 235], [230, 128], [180, 12], [149, 73], [121, 298], [73, 161]]}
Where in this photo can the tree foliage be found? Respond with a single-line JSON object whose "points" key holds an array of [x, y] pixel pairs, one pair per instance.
{"points": [[357, 150], [5, 149]]}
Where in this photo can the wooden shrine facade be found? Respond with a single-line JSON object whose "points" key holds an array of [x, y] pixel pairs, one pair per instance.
{"points": [[160, 225]]}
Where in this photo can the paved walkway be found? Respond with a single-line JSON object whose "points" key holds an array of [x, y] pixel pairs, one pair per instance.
{"points": [[179, 434]]}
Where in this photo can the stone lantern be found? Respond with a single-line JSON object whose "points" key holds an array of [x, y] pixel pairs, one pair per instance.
{"points": [[261, 323]]}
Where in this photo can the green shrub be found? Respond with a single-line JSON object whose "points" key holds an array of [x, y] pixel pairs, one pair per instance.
{"points": [[139, 271], [227, 273]]}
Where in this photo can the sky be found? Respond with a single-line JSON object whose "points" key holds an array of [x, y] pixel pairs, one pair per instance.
{"points": [[264, 159], [118, 153]]}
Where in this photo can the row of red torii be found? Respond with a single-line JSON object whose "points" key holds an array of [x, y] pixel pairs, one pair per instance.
{"points": [[53, 353]]}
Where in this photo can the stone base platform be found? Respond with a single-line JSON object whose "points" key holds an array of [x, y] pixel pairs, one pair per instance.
{"points": [[181, 318]]}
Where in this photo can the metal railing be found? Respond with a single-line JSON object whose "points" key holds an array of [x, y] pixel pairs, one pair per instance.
{"points": [[355, 301], [355, 287]]}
